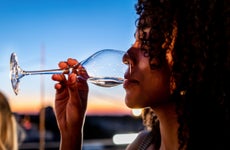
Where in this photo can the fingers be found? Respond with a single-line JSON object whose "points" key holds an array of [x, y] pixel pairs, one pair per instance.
{"points": [[72, 62], [63, 65], [69, 63], [72, 81], [76, 76], [82, 73], [57, 86], [61, 79]]}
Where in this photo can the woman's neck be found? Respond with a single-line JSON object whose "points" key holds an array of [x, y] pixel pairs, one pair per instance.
{"points": [[168, 127]]}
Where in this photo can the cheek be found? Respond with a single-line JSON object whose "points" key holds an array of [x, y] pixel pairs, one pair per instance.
{"points": [[155, 88], [148, 90]]}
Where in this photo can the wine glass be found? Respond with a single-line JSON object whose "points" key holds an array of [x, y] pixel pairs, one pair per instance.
{"points": [[105, 68]]}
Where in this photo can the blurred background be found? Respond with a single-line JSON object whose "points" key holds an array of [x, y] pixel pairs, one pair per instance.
{"points": [[44, 32]]}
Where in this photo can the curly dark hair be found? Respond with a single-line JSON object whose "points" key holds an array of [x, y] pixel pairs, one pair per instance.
{"points": [[198, 32]]}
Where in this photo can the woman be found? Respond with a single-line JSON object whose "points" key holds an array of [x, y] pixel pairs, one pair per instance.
{"points": [[8, 126], [179, 66]]}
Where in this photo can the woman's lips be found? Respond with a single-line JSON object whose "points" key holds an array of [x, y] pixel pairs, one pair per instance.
{"points": [[129, 82]]}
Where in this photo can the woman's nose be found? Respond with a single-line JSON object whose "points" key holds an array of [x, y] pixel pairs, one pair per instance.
{"points": [[128, 61]]}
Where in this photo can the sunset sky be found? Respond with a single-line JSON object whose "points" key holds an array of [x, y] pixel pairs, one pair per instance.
{"points": [[57, 30]]}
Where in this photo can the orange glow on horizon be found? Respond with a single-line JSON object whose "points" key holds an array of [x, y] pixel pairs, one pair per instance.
{"points": [[96, 106], [107, 108], [26, 108]]}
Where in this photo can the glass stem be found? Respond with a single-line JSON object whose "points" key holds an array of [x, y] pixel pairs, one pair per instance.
{"points": [[41, 72], [51, 71]]}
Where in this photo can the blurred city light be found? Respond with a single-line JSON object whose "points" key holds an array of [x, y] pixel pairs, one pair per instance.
{"points": [[136, 112], [119, 139]]}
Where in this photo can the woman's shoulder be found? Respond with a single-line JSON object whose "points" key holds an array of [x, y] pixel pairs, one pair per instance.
{"points": [[142, 141]]}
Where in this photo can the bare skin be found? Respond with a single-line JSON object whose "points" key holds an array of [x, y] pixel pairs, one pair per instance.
{"points": [[70, 105]]}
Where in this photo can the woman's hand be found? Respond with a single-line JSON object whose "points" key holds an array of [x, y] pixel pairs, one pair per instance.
{"points": [[70, 103]]}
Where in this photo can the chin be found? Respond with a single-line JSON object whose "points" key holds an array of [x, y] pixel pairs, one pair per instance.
{"points": [[129, 102], [133, 102]]}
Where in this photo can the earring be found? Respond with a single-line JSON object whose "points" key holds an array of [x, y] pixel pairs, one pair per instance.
{"points": [[182, 93]]}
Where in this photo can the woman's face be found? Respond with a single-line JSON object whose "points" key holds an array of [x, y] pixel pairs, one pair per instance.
{"points": [[145, 87]]}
